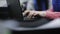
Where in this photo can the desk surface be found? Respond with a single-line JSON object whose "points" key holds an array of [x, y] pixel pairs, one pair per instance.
{"points": [[12, 25]]}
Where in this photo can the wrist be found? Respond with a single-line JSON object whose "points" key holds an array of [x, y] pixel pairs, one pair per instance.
{"points": [[42, 13]]}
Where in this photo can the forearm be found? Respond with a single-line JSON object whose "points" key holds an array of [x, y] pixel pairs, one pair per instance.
{"points": [[53, 15], [50, 15]]}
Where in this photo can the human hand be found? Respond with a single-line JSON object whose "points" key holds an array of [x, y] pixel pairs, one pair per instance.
{"points": [[31, 14]]}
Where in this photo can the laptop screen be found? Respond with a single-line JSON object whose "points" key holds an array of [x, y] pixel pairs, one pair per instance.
{"points": [[16, 10]]}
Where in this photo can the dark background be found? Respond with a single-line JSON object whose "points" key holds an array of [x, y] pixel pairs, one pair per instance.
{"points": [[46, 31]]}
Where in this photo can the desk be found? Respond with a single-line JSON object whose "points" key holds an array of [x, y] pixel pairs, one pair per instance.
{"points": [[53, 24], [49, 27]]}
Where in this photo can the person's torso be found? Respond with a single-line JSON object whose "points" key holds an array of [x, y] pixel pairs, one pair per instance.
{"points": [[56, 5], [41, 5]]}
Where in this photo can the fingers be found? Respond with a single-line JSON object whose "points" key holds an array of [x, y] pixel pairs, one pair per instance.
{"points": [[30, 15], [26, 13]]}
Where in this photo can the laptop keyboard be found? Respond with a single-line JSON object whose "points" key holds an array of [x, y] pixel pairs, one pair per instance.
{"points": [[34, 23]]}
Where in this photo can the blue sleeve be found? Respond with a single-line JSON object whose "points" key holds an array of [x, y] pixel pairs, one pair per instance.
{"points": [[35, 5], [41, 3], [56, 5]]}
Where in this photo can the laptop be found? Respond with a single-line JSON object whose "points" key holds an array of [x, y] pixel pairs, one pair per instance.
{"points": [[16, 13]]}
